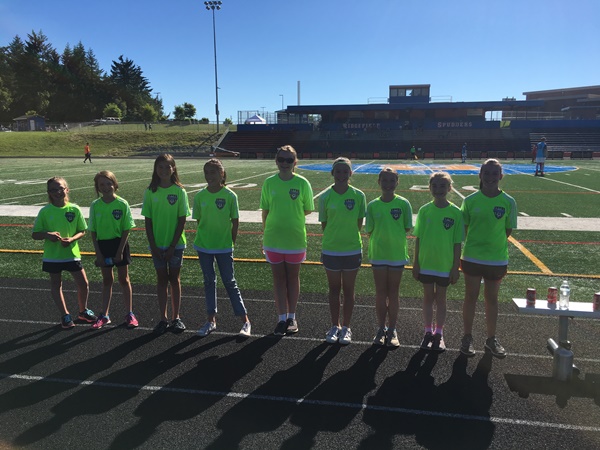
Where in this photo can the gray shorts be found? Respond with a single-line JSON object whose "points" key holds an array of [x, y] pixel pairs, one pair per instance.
{"points": [[174, 263]]}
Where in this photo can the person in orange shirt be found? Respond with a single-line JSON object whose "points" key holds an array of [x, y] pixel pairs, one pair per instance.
{"points": [[88, 154]]}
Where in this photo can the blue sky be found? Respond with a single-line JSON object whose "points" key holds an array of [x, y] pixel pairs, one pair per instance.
{"points": [[341, 51]]}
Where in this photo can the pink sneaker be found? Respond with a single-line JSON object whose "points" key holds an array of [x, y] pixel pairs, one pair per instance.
{"points": [[100, 322], [131, 321]]}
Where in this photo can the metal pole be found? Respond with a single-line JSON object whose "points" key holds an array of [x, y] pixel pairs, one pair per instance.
{"points": [[212, 6]]}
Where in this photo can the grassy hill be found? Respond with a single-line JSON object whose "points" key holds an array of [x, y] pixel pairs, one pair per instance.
{"points": [[110, 140]]}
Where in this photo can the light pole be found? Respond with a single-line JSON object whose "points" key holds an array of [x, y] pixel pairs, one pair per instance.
{"points": [[212, 6], [281, 95]]}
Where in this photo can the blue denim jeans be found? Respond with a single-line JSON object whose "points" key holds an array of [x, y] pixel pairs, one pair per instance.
{"points": [[225, 263]]}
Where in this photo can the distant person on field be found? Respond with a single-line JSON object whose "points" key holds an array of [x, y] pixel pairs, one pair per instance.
{"points": [[413, 153], [217, 212], [110, 223], [439, 230], [533, 152], [60, 224], [286, 198], [88, 153], [389, 218], [540, 157], [341, 213], [463, 153], [490, 215]]}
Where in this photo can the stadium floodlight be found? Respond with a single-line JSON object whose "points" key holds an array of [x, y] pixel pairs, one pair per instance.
{"points": [[211, 6]]}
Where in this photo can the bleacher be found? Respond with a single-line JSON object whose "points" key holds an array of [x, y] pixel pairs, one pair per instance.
{"points": [[574, 144]]}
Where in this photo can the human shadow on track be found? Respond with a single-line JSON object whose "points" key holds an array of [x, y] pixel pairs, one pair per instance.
{"points": [[333, 405], [28, 340], [409, 403], [195, 391], [105, 393], [524, 385], [269, 406]]}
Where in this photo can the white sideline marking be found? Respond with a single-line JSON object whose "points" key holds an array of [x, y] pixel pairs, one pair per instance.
{"points": [[566, 215], [523, 214], [298, 401]]}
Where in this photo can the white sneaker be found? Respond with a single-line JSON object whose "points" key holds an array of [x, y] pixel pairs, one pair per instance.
{"points": [[207, 328], [246, 329], [345, 336], [392, 338], [332, 335]]}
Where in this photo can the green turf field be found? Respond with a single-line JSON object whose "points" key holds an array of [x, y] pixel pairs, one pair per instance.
{"points": [[548, 256]]}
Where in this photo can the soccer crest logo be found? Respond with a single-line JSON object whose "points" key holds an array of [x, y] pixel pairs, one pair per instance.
{"points": [[117, 214], [70, 216], [448, 222], [396, 213], [172, 199], [294, 193], [349, 202], [499, 212], [220, 202]]}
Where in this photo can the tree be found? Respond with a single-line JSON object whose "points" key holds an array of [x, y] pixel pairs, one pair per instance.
{"points": [[189, 110], [148, 113], [179, 113], [228, 121], [112, 110], [130, 85]]}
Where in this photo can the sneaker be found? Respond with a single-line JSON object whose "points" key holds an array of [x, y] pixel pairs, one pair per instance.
{"points": [[177, 326], [332, 335], [466, 346], [246, 330], [207, 328], [437, 344], [392, 338], [66, 321], [87, 315], [495, 348], [161, 327], [100, 322], [426, 342], [292, 326], [131, 321], [281, 328], [379, 338], [345, 336]]}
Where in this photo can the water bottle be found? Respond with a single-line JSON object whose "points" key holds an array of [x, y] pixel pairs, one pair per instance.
{"points": [[109, 261], [565, 293]]}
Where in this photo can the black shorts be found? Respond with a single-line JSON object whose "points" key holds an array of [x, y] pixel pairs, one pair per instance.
{"points": [[109, 249], [58, 267], [341, 263], [492, 273], [432, 279]]}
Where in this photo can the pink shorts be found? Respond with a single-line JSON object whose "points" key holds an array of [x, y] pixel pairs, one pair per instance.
{"points": [[290, 258]]}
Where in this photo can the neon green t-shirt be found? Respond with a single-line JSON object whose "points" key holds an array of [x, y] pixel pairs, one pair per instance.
{"points": [[110, 220], [387, 224], [164, 207], [286, 201], [438, 230], [487, 219], [68, 221], [341, 236], [214, 213]]}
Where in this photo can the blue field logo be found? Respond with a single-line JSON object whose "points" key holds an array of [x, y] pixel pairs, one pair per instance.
{"points": [[452, 169]]}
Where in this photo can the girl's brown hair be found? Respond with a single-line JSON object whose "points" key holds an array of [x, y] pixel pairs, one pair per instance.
{"points": [[387, 169], [165, 157], [219, 165], [57, 180], [441, 175], [288, 148], [106, 174], [341, 160]]}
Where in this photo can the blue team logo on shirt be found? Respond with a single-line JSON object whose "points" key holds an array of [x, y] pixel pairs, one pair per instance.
{"points": [[117, 214], [499, 212], [448, 222], [349, 202], [172, 199], [294, 193], [70, 216], [220, 202], [396, 213]]}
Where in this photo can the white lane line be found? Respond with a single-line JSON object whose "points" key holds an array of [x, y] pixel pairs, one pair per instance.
{"points": [[523, 214], [304, 400], [566, 215]]}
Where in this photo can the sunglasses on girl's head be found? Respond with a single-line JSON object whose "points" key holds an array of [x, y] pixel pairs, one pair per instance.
{"points": [[57, 190], [287, 160]]}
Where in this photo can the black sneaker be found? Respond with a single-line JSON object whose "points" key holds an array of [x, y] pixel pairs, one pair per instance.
{"points": [[281, 328], [437, 344], [292, 326], [177, 326], [87, 315], [66, 321], [161, 327], [466, 346], [495, 348], [426, 342]]}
